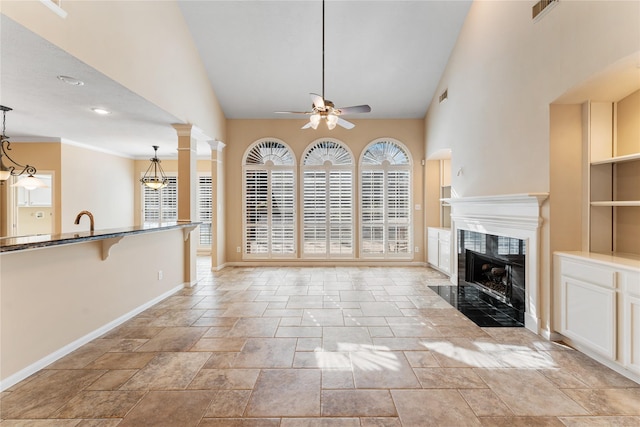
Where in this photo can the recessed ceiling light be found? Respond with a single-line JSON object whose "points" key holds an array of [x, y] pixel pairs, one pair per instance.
{"points": [[100, 111], [71, 80]]}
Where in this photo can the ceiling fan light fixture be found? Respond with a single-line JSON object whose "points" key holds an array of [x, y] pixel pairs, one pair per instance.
{"points": [[332, 121], [315, 120], [322, 108]]}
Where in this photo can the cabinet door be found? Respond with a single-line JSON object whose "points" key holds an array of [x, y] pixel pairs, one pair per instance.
{"points": [[444, 261], [631, 331], [588, 315], [432, 250]]}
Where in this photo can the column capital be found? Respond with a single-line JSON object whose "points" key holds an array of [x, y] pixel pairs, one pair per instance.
{"points": [[216, 145], [183, 129]]}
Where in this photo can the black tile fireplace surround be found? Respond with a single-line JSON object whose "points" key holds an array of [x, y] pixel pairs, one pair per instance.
{"points": [[491, 279]]}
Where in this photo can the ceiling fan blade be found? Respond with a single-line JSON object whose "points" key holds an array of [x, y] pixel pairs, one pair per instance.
{"points": [[318, 101], [353, 110], [293, 112], [307, 126], [345, 124]]}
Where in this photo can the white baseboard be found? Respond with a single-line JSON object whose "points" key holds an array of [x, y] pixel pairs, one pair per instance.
{"points": [[324, 263], [601, 359], [58, 354], [219, 267]]}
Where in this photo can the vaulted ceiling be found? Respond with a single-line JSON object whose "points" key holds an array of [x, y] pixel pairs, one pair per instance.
{"points": [[260, 56]]}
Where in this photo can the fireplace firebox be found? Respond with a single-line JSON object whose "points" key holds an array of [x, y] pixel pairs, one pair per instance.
{"points": [[494, 266]]}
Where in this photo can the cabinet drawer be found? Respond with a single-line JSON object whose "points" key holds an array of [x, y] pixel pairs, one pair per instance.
{"points": [[596, 275], [630, 282]]}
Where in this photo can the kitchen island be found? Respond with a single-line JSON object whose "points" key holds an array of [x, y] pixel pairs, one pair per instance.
{"points": [[58, 292]]}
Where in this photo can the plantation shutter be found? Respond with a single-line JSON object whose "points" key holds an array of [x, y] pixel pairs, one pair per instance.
{"points": [[340, 212], [257, 227], [282, 212], [205, 209], [269, 201], [372, 196], [398, 211], [385, 192], [161, 205], [327, 180], [315, 212]]}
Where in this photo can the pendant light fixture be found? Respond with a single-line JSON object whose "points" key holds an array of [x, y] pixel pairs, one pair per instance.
{"points": [[155, 177], [13, 168]]}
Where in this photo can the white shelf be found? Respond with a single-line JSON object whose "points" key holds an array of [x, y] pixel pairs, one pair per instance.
{"points": [[619, 159], [617, 203]]}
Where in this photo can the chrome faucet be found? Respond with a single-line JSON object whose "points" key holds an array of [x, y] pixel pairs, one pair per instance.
{"points": [[87, 213]]}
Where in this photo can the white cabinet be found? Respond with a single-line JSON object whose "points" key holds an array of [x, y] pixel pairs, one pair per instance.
{"points": [[36, 197], [600, 304], [439, 248]]}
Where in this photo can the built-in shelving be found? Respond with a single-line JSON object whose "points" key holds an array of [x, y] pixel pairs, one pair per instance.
{"points": [[618, 159], [614, 203], [613, 174]]}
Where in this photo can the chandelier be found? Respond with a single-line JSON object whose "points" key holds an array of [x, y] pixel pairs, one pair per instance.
{"points": [[13, 168], [154, 177]]}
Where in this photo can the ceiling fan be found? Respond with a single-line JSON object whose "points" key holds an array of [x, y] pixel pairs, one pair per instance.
{"points": [[323, 109]]}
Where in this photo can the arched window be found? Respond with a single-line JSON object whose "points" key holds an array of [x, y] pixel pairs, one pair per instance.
{"points": [[327, 211], [269, 200], [385, 194]]}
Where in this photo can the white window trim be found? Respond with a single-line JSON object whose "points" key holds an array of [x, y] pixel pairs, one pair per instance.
{"points": [[269, 168], [327, 168], [386, 168]]}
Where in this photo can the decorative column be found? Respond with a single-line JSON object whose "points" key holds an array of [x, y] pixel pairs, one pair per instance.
{"points": [[217, 197], [187, 186]]}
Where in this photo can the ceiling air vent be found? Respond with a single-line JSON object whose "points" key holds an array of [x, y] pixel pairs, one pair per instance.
{"points": [[540, 6]]}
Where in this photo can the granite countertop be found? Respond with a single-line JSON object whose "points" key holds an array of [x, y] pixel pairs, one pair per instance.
{"points": [[11, 244]]}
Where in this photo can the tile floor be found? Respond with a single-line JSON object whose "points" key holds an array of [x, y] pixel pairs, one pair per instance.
{"points": [[318, 347]]}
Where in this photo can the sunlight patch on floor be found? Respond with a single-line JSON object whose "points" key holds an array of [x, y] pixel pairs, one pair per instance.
{"points": [[358, 356], [493, 355]]}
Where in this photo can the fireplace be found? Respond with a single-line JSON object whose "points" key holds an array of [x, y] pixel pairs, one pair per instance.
{"points": [[513, 222], [495, 266]]}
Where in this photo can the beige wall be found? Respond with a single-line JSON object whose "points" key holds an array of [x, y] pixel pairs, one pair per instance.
{"points": [[243, 133], [83, 179], [566, 177], [152, 35], [98, 182], [45, 157], [504, 72], [42, 310], [34, 220], [628, 120]]}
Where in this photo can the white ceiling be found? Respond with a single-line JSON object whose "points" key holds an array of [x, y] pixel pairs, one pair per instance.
{"points": [[266, 56], [261, 57]]}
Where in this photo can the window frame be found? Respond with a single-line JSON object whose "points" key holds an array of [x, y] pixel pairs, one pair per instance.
{"points": [[171, 176], [269, 167], [327, 167], [204, 247], [386, 167]]}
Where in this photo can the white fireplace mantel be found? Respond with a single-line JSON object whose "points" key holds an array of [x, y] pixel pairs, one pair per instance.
{"points": [[512, 215]]}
